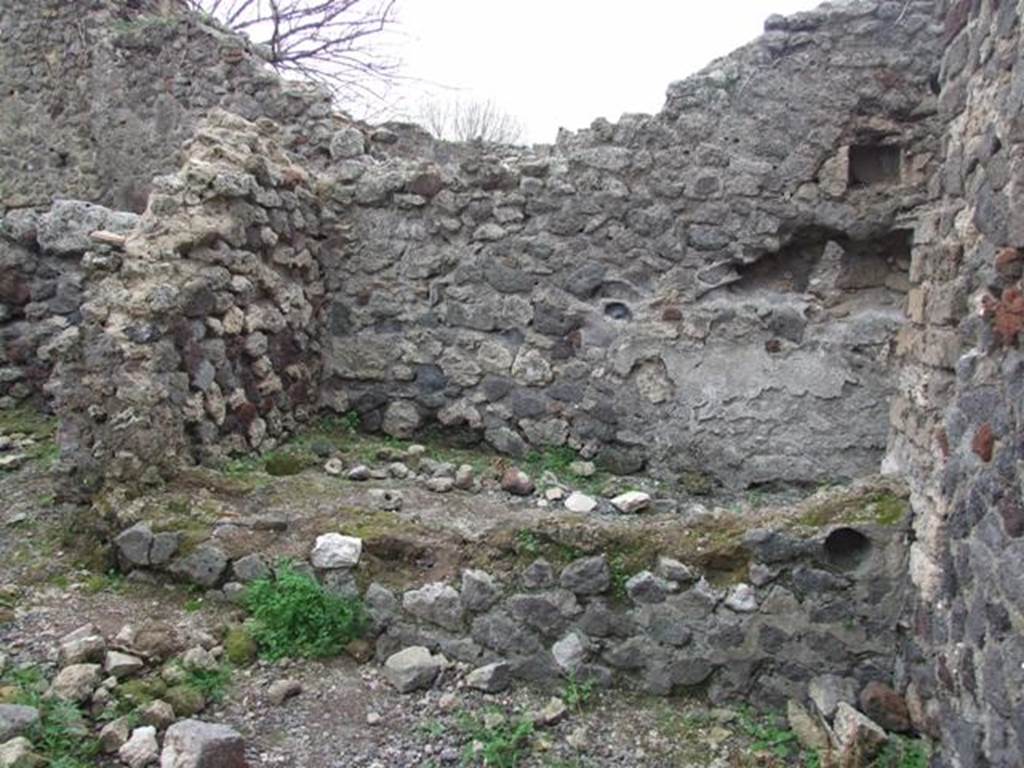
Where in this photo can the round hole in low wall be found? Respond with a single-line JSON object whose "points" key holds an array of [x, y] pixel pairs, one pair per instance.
{"points": [[616, 310], [847, 548]]}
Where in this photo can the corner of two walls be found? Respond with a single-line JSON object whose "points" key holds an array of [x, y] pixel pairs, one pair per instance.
{"points": [[957, 420]]}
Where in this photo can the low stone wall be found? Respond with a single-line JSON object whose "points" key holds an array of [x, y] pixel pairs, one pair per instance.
{"points": [[814, 602]]}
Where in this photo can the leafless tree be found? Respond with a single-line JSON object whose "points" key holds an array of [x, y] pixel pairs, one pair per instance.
{"points": [[464, 119], [330, 41]]}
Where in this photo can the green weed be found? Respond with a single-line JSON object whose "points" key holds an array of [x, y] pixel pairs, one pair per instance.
{"points": [[111, 581], [527, 542], [61, 736], [350, 422], [577, 693], [554, 460], [193, 604], [620, 575], [903, 752], [434, 729], [211, 683], [294, 616], [502, 745], [39, 426], [767, 736]]}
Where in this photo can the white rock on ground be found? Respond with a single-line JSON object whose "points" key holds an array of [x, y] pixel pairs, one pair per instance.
{"points": [[413, 668], [157, 713], [437, 603], [76, 682], [279, 691], [84, 644], [827, 691], [569, 652], [121, 664], [17, 753], [492, 678], [742, 599], [141, 749], [631, 501], [196, 744], [332, 550], [811, 731], [114, 734], [673, 570], [580, 503]]}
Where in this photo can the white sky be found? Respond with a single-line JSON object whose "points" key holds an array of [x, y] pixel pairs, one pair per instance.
{"points": [[558, 63]]}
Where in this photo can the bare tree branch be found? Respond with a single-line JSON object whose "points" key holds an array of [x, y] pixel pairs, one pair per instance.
{"points": [[329, 41], [464, 119]]}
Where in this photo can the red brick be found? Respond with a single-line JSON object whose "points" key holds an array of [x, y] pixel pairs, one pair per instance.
{"points": [[983, 442], [1009, 316]]}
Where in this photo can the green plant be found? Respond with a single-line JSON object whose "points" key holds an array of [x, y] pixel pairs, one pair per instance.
{"points": [[434, 729], [61, 736], [111, 581], [577, 693], [767, 736], [620, 575], [527, 542], [555, 460], [40, 427], [283, 464], [499, 745], [350, 422], [903, 752], [294, 616], [211, 683], [244, 465]]}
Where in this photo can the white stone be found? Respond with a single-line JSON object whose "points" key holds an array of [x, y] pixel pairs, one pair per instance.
{"points": [[569, 652], [121, 664], [631, 501], [195, 744], [141, 749], [554, 494], [580, 503], [742, 599], [412, 668], [332, 550], [76, 682]]}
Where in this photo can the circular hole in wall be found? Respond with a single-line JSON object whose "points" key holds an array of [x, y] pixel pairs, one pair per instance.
{"points": [[616, 310], [846, 548]]}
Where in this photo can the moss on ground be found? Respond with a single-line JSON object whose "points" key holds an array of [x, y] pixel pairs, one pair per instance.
{"points": [[881, 506], [32, 423]]}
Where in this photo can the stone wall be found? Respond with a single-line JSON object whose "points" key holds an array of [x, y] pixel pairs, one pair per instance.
{"points": [[712, 292], [97, 97], [202, 338], [805, 602], [957, 421]]}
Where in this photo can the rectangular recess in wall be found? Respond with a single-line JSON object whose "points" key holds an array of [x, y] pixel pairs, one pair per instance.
{"points": [[872, 164]]}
